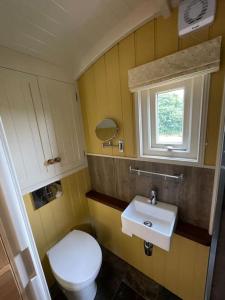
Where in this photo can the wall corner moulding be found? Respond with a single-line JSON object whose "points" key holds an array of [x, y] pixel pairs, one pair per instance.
{"points": [[202, 58]]}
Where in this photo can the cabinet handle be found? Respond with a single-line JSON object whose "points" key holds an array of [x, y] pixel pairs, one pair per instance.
{"points": [[57, 159], [50, 161]]}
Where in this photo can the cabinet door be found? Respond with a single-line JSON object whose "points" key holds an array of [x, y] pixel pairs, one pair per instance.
{"points": [[20, 107], [63, 123]]}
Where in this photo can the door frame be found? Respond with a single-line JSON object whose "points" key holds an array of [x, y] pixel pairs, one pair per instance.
{"points": [[15, 228], [217, 200]]}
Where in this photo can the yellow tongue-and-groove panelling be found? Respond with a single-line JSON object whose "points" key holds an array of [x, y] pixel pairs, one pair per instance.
{"points": [[104, 86], [53, 221], [182, 270]]}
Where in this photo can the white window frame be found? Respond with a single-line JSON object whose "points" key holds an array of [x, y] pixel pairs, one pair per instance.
{"points": [[195, 115]]}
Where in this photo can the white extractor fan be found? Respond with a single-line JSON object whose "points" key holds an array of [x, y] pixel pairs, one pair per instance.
{"points": [[194, 14]]}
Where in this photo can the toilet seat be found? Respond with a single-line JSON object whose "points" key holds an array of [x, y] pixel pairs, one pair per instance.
{"points": [[75, 260]]}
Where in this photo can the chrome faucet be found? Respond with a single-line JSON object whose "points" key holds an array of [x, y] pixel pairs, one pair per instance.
{"points": [[153, 197]]}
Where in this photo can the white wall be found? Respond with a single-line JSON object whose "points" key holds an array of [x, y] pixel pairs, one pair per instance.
{"points": [[14, 60]]}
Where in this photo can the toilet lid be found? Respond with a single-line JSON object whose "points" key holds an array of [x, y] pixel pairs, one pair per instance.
{"points": [[76, 258]]}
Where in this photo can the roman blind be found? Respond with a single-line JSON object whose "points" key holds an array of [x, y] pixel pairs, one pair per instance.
{"points": [[202, 58]]}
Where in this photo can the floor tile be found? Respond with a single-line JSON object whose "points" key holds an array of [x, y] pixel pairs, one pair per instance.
{"points": [[164, 294], [118, 280], [142, 284], [126, 293]]}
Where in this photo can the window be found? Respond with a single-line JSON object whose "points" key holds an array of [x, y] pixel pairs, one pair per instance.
{"points": [[171, 119]]}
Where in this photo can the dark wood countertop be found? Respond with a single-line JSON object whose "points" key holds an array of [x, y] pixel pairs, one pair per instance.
{"points": [[108, 200], [186, 230]]}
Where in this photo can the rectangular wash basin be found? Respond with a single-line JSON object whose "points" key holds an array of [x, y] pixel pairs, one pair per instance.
{"points": [[152, 223]]}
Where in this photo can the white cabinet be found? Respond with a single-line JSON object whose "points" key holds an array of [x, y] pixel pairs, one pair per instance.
{"points": [[18, 93], [63, 124], [42, 121]]}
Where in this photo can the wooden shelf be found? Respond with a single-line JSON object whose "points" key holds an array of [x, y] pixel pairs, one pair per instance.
{"points": [[108, 200], [186, 230]]}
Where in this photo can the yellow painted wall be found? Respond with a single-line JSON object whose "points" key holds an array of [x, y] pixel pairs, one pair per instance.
{"points": [[52, 221], [182, 270], [104, 86]]}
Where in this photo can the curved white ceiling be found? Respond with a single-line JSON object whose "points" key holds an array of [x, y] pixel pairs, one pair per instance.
{"points": [[71, 33]]}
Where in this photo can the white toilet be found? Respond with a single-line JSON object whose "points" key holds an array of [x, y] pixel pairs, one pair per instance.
{"points": [[75, 262]]}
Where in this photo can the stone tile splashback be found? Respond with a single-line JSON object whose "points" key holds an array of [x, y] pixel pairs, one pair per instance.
{"points": [[193, 196]]}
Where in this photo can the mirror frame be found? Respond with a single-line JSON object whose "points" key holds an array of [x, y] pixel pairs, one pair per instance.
{"points": [[116, 130]]}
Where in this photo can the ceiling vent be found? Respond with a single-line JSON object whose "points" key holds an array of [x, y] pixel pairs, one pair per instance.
{"points": [[194, 14]]}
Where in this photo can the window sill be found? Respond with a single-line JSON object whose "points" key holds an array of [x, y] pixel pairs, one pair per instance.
{"points": [[169, 160]]}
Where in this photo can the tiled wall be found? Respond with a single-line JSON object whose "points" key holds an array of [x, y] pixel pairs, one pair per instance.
{"points": [[193, 196]]}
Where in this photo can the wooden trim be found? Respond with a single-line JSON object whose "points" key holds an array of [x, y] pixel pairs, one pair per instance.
{"points": [[107, 200], [186, 230], [218, 163], [5, 269], [166, 161], [194, 233]]}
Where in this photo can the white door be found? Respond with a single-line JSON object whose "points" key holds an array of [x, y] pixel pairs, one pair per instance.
{"points": [[15, 227], [64, 127], [20, 110]]}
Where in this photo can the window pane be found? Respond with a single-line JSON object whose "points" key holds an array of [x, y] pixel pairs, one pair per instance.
{"points": [[170, 117]]}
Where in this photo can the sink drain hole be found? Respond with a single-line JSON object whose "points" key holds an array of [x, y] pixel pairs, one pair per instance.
{"points": [[148, 223]]}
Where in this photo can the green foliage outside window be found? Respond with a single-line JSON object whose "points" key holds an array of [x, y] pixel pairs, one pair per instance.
{"points": [[170, 108]]}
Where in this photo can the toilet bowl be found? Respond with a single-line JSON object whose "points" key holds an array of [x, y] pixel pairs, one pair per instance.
{"points": [[75, 262]]}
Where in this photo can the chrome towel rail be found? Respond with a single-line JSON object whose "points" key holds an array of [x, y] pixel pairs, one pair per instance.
{"points": [[166, 176]]}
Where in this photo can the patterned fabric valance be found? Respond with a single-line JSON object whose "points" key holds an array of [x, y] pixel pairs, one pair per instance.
{"points": [[204, 58]]}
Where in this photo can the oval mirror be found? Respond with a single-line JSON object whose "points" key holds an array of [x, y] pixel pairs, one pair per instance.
{"points": [[106, 130]]}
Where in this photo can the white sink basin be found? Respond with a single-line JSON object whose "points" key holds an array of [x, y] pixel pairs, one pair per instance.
{"points": [[162, 217]]}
